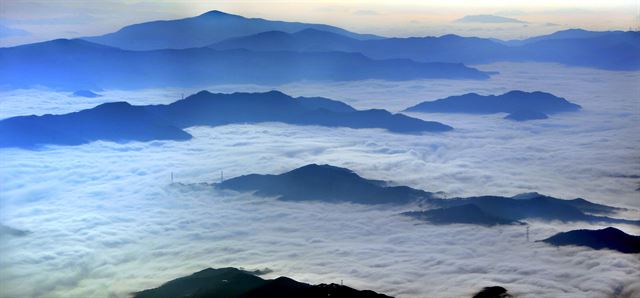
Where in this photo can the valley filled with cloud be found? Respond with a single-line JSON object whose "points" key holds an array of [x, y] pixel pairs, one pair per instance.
{"points": [[104, 220]]}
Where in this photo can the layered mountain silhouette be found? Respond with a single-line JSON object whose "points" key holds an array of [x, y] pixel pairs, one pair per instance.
{"points": [[78, 64], [236, 283], [463, 214], [613, 50], [332, 184], [522, 105], [121, 122], [608, 238], [202, 30]]}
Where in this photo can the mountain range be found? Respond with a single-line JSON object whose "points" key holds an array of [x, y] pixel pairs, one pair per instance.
{"points": [[79, 64], [217, 48], [236, 283], [203, 30], [608, 238], [333, 184], [521, 105], [122, 122]]}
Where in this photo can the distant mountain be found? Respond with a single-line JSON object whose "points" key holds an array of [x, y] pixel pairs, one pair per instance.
{"points": [[85, 93], [462, 214], [324, 183], [235, 283], [609, 238], [525, 115], [510, 102], [447, 48], [332, 184], [78, 64], [486, 18], [572, 34], [538, 207], [202, 30], [613, 50], [123, 122]]}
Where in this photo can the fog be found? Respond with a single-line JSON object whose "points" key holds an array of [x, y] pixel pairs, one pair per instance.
{"points": [[104, 220]]}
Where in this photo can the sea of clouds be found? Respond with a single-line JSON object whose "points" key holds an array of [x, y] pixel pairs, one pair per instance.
{"points": [[104, 220]]}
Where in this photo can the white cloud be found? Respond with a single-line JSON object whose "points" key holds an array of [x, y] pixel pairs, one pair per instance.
{"points": [[104, 221]]}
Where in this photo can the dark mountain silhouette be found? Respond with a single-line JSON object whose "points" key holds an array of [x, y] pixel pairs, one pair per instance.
{"points": [[463, 214], [235, 283], [118, 121], [85, 93], [332, 184], [493, 292], [614, 50], [123, 122], [78, 64], [525, 115], [538, 207], [202, 30], [608, 238], [324, 183], [510, 102]]}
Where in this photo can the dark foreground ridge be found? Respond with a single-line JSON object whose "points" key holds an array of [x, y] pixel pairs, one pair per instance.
{"points": [[521, 105], [608, 238], [122, 122], [328, 183], [235, 283]]}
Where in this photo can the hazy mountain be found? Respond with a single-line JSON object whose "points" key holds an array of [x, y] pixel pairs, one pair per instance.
{"points": [[463, 214], [510, 102], [77, 64], [123, 122], [486, 18], [328, 183], [525, 115], [570, 34], [615, 50], [85, 93], [202, 30], [447, 48], [324, 183], [609, 238], [232, 283]]}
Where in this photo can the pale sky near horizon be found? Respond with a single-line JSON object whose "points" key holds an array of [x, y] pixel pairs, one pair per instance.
{"points": [[24, 21]]}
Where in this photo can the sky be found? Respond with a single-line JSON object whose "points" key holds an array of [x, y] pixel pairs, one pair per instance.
{"points": [[23, 21]]}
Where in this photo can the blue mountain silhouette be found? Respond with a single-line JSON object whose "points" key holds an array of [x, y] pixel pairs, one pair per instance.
{"points": [[122, 122], [328, 183], [608, 238], [78, 64], [202, 30], [510, 102]]}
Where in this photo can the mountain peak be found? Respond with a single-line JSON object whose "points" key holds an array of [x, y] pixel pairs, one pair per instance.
{"points": [[217, 13]]}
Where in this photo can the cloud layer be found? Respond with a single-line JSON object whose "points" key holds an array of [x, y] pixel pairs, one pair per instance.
{"points": [[104, 221]]}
